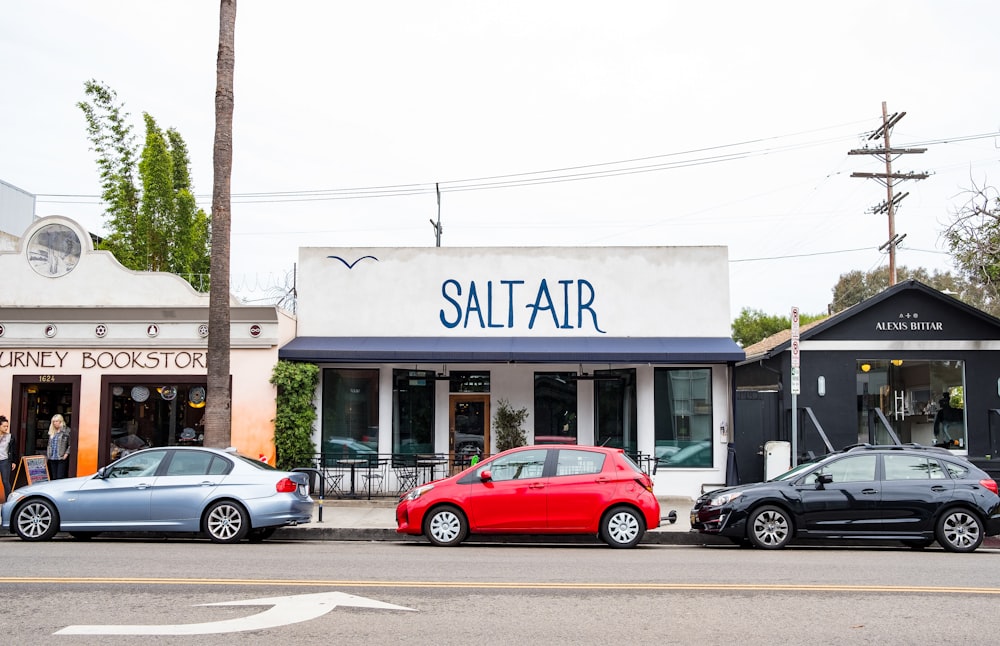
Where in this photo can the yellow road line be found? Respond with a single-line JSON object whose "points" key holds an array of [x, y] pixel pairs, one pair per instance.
{"points": [[493, 585]]}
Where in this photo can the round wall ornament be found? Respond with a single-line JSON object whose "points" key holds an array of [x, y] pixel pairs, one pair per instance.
{"points": [[196, 395], [140, 394]]}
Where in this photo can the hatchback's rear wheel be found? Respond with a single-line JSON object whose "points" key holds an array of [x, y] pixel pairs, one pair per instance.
{"points": [[226, 522], [770, 528], [959, 530], [36, 520], [622, 527], [446, 526]]}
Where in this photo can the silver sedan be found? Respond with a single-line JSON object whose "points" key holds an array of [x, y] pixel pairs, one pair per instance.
{"points": [[218, 493]]}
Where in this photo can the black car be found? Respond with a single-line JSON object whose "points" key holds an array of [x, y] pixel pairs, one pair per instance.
{"points": [[910, 493]]}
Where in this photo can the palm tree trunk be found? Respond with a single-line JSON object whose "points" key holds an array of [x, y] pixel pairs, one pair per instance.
{"points": [[218, 402]]}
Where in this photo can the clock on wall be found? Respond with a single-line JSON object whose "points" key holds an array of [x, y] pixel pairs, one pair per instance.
{"points": [[54, 250]]}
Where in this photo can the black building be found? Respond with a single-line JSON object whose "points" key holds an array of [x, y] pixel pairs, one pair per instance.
{"points": [[911, 364]]}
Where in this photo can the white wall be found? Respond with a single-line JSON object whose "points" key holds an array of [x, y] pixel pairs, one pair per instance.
{"points": [[423, 292]]}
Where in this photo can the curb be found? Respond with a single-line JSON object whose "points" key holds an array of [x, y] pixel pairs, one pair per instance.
{"points": [[376, 534]]}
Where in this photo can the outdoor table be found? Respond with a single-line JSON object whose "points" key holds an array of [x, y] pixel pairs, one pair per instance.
{"points": [[429, 463], [353, 463]]}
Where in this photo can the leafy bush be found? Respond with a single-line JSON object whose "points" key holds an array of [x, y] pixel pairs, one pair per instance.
{"points": [[293, 425], [507, 425]]}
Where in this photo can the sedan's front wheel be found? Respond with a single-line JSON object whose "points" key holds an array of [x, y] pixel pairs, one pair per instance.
{"points": [[959, 530], [36, 520], [622, 527], [770, 528], [226, 522], [446, 526]]}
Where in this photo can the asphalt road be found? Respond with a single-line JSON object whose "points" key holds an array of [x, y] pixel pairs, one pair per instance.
{"points": [[337, 592]]}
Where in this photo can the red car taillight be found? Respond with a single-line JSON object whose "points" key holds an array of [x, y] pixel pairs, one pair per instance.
{"points": [[645, 483], [991, 485], [285, 485]]}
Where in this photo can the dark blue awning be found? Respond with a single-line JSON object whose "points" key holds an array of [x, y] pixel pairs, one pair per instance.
{"points": [[325, 349]]}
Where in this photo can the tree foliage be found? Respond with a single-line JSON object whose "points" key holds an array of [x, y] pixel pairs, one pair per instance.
{"points": [[753, 325], [507, 425], [293, 424], [856, 286], [973, 237], [152, 219]]}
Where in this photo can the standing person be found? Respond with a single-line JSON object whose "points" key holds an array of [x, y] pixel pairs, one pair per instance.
{"points": [[8, 454], [58, 450]]}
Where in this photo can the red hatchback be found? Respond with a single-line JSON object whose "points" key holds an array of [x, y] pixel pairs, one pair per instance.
{"points": [[536, 490]]}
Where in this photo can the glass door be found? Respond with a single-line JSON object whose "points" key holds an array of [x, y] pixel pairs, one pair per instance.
{"points": [[469, 429]]}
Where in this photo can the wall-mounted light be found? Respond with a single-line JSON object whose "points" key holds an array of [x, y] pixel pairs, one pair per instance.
{"points": [[821, 386], [865, 367], [897, 362]]}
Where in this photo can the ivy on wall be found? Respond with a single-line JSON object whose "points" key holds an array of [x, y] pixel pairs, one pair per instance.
{"points": [[293, 425]]}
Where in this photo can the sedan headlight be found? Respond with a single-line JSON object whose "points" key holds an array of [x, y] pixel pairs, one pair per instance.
{"points": [[724, 499], [419, 491], [14, 495]]}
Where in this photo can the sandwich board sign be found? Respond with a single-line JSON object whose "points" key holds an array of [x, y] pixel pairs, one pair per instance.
{"points": [[30, 470]]}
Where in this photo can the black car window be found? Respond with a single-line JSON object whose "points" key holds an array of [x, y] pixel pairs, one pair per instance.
{"points": [[912, 467], [956, 471], [856, 468], [574, 462], [189, 463], [518, 466]]}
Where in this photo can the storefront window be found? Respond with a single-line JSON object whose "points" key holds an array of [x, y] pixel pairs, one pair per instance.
{"points": [[155, 414], [555, 408], [469, 382], [350, 412], [615, 409], [922, 401], [682, 402], [412, 411]]}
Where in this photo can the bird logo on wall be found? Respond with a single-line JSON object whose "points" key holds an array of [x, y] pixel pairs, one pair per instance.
{"points": [[350, 265]]}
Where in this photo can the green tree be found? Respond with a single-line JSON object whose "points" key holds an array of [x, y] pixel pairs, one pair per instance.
{"points": [[507, 425], [753, 325], [152, 219], [973, 237], [293, 424], [856, 286]]}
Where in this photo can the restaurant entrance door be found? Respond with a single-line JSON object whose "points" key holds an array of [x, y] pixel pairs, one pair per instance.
{"points": [[469, 424]]}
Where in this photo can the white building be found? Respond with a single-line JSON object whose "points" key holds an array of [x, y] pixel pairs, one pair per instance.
{"points": [[621, 346]]}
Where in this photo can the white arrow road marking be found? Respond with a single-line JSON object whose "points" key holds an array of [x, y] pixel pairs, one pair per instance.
{"points": [[285, 610]]}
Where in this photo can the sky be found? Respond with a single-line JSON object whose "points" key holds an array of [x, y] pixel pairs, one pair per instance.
{"points": [[559, 122]]}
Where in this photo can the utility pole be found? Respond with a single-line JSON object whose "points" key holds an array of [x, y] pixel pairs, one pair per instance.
{"points": [[437, 225], [888, 179]]}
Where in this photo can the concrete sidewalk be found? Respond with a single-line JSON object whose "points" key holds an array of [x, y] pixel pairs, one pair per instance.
{"points": [[375, 520]]}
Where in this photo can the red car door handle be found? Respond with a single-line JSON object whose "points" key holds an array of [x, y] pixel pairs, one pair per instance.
{"points": [[602, 479], [536, 485]]}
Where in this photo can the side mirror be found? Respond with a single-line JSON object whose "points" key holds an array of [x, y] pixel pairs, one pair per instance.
{"points": [[485, 475], [824, 479]]}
